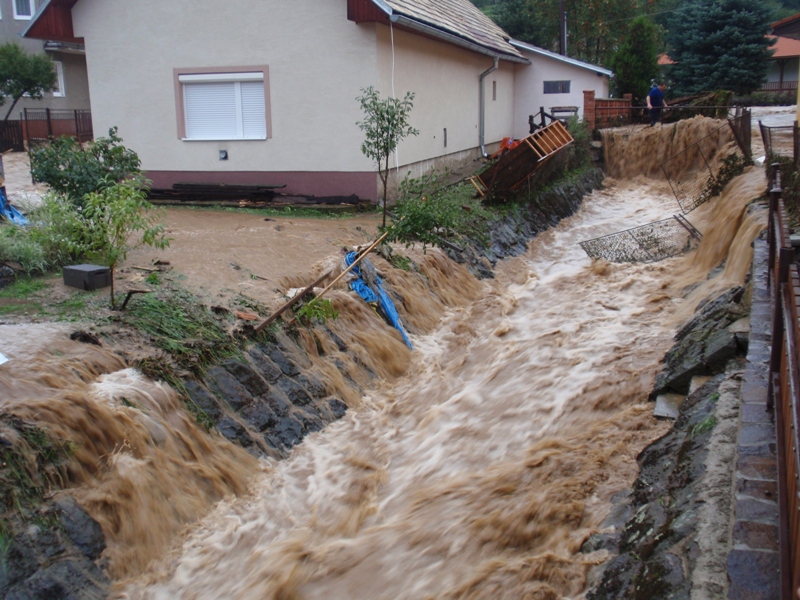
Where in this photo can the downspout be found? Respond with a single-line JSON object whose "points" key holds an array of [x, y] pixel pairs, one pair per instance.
{"points": [[482, 108]]}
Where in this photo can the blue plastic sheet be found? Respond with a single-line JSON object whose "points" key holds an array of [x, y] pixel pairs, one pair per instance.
{"points": [[382, 299], [10, 213]]}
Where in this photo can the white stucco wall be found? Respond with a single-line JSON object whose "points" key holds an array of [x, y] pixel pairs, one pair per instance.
{"points": [[529, 93], [789, 71], [318, 61], [445, 81]]}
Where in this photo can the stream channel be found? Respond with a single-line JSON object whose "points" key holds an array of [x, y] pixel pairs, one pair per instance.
{"points": [[478, 473]]}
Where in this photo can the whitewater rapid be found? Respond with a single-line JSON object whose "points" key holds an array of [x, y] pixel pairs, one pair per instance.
{"points": [[480, 472]]}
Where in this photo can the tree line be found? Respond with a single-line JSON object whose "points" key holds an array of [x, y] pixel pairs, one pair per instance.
{"points": [[716, 44]]}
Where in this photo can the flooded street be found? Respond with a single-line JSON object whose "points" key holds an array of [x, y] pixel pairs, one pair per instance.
{"points": [[480, 473]]}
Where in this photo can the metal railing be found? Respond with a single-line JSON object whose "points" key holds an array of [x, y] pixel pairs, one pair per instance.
{"points": [[779, 86], [783, 395], [623, 115], [783, 140], [41, 124], [647, 243]]}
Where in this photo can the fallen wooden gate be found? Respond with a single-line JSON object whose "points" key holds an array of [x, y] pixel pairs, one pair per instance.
{"points": [[513, 169]]}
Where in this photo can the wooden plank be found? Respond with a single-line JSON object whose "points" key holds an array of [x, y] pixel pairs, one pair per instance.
{"points": [[264, 324], [539, 154], [477, 187]]}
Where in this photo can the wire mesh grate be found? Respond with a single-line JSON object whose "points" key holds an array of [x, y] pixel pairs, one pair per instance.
{"points": [[689, 172], [647, 243]]}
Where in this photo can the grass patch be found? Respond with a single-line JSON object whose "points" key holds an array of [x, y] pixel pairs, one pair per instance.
{"points": [[703, 426], [180, 325], [22, 288], [30, 465]]}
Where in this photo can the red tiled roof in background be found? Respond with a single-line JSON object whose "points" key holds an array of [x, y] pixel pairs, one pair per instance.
{"points": [[785, 47], [664, 59]]}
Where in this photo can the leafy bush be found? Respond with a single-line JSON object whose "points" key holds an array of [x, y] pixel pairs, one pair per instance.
{"points": [[74, 170], [316, 309], [430, 212], [580, 151], [17, 246], [766, 99]]}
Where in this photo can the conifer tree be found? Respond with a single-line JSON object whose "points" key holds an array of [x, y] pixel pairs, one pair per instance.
{"points": [[719, 44], [635, 64]]}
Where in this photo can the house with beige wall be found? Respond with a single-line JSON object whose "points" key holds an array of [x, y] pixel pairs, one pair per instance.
{"points": [[264, 91], [552, 80]]}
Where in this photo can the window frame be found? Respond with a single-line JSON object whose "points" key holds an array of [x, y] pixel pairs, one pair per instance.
{"points": [[61, 90], [559, 85], [217, 74], [31, 5]]}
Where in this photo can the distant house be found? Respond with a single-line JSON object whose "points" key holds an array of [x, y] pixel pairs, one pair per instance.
{"points": [[72, 90], [783, 70], [265, 91], [550, 81], [788, 27]]}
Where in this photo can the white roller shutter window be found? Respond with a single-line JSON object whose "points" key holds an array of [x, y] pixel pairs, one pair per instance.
{"points": [[225, 110]]}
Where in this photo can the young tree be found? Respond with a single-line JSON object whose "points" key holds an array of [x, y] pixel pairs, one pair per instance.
{"points": [[719, 44], [118, 219], [385, 124], [635, 64], [22, 73]]}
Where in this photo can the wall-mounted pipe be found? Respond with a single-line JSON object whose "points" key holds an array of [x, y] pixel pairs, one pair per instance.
{"points": [[482, 106]]}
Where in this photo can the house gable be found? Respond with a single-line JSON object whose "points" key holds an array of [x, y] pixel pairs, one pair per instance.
{"points": [[53, 21]]}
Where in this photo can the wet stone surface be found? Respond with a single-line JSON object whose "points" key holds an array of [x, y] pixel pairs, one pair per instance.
{"points": [[266, 400], [56, 558], [511, 234], [657, 547]]}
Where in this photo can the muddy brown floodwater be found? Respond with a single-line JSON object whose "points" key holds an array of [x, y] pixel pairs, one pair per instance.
{"points": [[478, 473]]}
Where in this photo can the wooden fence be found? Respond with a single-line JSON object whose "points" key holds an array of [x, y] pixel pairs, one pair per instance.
{"points": [[784, 386]]}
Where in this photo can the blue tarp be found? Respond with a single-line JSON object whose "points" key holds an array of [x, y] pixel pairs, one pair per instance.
{"points": [[382, 299], [10, 213]]}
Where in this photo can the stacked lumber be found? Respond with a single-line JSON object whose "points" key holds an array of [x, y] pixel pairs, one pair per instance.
{"points": [[215, 191]]}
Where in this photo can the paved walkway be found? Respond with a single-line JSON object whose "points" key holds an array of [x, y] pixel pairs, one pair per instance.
{"points": [[754, 560]]}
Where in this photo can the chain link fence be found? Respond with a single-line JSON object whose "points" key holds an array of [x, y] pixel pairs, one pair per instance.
{"points": [[647, 243], [695, 186], [782, 140]]}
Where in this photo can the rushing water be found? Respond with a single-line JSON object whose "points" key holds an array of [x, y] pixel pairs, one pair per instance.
{"points": [[478, 473]]}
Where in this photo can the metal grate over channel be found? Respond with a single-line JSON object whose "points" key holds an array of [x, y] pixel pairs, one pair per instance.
{"points": [[647, 243]]}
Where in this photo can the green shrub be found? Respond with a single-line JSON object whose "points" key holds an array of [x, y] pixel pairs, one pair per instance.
{"points": [[430, 212], [317, 310], [17, 245], [74, 170]]}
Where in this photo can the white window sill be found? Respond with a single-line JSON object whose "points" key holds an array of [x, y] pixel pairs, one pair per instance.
{"points": [[223, 139]]}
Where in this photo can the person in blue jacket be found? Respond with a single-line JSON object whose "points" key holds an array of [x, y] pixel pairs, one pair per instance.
{"points": [[655, 102]]}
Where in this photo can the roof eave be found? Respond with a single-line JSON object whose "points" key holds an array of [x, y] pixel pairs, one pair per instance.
{"points": [[53, 21], [566, 59], [454, 39]]}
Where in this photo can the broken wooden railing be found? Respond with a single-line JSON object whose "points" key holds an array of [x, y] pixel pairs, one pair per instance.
{"points": [[646, 243], [514, 168], [783, 393]]}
